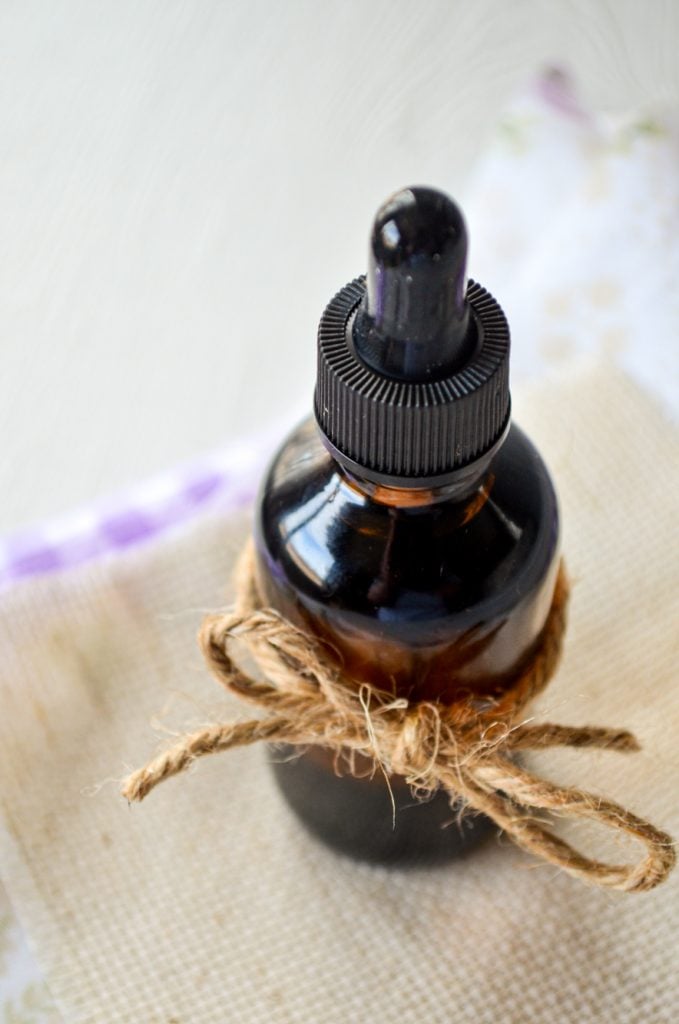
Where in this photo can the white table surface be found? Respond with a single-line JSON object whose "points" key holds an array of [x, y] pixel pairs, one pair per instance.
{"points": [[184, 185]]}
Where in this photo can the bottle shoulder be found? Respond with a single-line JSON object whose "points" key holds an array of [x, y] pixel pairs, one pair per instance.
{"points": [[321, 537]]}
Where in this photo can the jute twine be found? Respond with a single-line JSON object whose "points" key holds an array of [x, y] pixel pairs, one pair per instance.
{"points": [[466, 750]]}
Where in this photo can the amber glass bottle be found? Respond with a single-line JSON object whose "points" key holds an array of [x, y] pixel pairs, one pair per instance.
{"points": [[407, 523]]}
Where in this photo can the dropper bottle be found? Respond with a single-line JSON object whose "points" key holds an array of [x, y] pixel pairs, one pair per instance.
{"points": [[408, 524]]}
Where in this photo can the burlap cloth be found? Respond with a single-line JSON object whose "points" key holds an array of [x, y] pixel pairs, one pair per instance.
{"points": [[209, 903]]}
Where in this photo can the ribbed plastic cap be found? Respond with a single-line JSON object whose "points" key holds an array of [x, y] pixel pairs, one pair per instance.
{"points": [[413, 361]]}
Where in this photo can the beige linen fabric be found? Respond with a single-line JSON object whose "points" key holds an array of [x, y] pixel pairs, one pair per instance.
{"points": [[209, 904]]}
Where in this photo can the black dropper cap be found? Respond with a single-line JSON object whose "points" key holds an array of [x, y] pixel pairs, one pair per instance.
{"points": [[413, 374], [413, 323]]}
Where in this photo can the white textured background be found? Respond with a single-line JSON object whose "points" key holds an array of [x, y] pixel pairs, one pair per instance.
{"points": [[184, 185]]}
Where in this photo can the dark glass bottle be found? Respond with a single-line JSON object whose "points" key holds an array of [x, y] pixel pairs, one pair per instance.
{"points": [[408, 524]]}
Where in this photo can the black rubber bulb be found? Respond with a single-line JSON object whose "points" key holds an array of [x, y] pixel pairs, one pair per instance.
{"points": [[414, 323]]}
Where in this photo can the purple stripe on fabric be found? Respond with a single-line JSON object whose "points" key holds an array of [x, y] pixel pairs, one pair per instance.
{"points": [[39, 560], [135, 518], [557, 89], [199, 490], [127, 528]]}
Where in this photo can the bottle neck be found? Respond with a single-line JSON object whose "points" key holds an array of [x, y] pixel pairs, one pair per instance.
{"points": [[470, 483], [458, 486], [401, 497]]}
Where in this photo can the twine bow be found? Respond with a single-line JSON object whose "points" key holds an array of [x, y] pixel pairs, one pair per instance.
{"points": [[465, 749]]}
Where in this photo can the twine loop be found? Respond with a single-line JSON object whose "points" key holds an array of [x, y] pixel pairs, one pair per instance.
{"points": [[467, 748]]}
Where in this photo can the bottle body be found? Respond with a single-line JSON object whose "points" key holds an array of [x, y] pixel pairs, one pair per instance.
{"points": [[428, 596]]}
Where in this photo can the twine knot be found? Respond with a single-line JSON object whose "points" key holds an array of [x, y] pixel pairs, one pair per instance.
{"points": [[465, 748], [416, 743]]}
